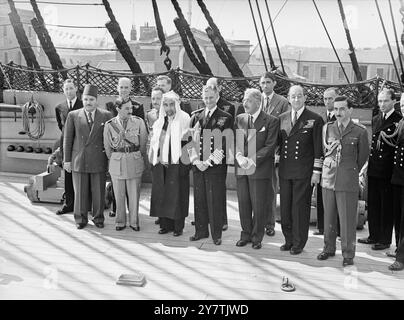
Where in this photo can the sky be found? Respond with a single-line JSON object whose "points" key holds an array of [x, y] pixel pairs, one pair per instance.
{"points": [[296, 24]]}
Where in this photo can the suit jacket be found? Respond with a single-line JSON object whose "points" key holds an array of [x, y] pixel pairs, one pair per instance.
{"points": [[265, 138], [381, 159], [83, 147], [300, 146], [137, 108], [323, 114], [220, 120], [278, 105], [62, 109], [125, 165], [343, 163], [224, 105]]}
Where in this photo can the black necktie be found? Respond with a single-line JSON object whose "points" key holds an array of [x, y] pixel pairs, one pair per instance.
{"points": [[90, 119], [294, 119], [384, 117], [70, 105], [328, 117], [206, 119], [250, 122]]}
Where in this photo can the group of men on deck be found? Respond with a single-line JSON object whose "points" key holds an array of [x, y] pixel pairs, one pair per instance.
{"points": [[271, 140]]}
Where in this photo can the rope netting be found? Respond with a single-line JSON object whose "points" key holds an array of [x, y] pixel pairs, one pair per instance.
{"points": [[188, 85]]}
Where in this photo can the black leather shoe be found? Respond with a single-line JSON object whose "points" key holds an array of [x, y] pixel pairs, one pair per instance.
{"points": [[257, 245], [325, 255], [217, 242], [80, 225], [270, 232], [99, 225], [347, 262], [64, 210], [285, 247], [163, 231], [396, 266], [225, 227], [380, 246], [177, 233], [112, 214], [196, 238], [135, 228], [157, 221], [366, 241], [318, 233], [242, 243], [295, 251], [120, 228]]}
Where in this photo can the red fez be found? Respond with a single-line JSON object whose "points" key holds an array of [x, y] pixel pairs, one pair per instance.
{"points": [[90, 90]]}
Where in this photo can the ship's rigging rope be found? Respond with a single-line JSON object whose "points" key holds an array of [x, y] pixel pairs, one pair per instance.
{"points": [[332, 44], [30, 108], [388, 45]]}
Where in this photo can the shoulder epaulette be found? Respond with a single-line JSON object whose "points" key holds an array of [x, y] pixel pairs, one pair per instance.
{"points": [[135, 101], [135, 117], [360, 125], [197, 111]]}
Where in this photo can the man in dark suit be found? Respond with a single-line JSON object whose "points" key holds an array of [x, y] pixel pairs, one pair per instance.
{"points": [[84, 155], [328, 115], [300, 165], [61, 110], [380, 168], [254, 169], [124, 88], [210, 126], [165, 83], [346, 149], [274, 105]]}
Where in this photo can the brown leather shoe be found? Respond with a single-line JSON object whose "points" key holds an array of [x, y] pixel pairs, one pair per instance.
{"points": [[217, 242], [347, 262], [325, 255], [242, 243], [257, 245]]}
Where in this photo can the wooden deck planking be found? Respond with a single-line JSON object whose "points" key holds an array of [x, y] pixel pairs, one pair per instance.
{"points": [[33, 239]]}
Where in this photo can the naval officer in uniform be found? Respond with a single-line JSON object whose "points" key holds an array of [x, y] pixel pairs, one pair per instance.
{"points": [[380, 194], [300, 167], [209, 165], [125, 138], [346, 149]]}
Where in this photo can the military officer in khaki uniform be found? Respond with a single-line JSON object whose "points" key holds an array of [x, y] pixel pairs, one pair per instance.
{"points": [[346, 149], [125, 138]]}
